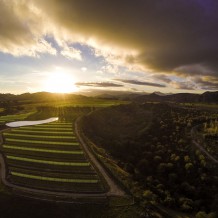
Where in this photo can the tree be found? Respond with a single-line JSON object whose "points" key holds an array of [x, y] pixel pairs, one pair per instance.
{"points": [[149, 197], [201, 214], [189, 167], [186, 204]]}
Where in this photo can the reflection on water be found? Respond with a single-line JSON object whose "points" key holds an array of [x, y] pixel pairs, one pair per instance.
{"points": [[30, 123]]}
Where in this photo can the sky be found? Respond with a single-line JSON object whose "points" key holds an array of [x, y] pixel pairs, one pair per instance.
{"points": [[168, 46]]}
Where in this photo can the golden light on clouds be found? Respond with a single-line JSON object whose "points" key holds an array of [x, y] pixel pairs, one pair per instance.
{"points": [[59, 81], [160, 39]]}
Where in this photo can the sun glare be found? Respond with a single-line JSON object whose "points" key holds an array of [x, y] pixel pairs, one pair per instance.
{"points": [[60, 82]]}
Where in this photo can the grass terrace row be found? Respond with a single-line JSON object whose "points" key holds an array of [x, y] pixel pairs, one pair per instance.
{"points": [[73, 155], [37, 166], [37, 132], [50, 162], [15, 135], [58, 186], [41, 150], [38, 142], [48, 129], [55, 123], [46, 145], [55, 179], [45, 173]]}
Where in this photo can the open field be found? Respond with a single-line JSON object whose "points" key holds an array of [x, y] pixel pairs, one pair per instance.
{"points": [[87, 102], [15, 117], [49, 157]]}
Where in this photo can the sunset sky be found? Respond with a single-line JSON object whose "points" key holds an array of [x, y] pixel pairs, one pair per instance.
{"points": [[129, 45]]}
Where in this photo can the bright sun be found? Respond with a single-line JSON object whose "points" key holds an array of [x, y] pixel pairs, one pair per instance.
{"points": [[60, 82]]}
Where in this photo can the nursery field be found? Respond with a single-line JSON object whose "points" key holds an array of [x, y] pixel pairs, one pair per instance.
{"points": [[49, 157]]}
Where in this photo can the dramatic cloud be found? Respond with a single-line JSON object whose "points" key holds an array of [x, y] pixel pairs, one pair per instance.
{"points": [[136, 82], [162, 77], [194, 70], [98, 84], [207, 83], [174, 37], [22, 30], [183, 85], [162, 35]]}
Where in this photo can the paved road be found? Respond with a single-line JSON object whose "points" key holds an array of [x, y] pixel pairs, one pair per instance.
{"points": [[193, 130], [114, 189]]}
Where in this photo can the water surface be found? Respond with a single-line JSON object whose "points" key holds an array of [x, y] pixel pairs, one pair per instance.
{"points": [[30, 123]]}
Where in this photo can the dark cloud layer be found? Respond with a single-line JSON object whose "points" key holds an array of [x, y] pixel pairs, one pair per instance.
{"points": [[98, 84], [136, 82], [211, 84], [167, 34]]}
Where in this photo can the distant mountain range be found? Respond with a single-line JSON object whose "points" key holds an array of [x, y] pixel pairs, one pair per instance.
{"points": [[39, 97], [206, 97]]}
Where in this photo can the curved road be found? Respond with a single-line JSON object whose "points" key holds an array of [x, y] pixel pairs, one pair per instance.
{"points": [[201, 148], [114, 189]]}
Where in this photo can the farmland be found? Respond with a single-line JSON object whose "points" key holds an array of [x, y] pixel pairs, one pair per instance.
{"points": [[15, 117], [49, 157]]}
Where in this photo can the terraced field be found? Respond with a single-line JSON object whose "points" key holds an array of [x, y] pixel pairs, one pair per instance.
{"points": [[49, 157]]}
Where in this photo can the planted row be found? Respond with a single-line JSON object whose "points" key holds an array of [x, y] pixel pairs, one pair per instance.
{"points": [[42, 132], [45, 173], [49, 147], [38, 142], [54, 179], [57, 186], [41, 128], [49, 167], [15, 135], [42, 150], [73, 155], [54, 126], [48, 161]]}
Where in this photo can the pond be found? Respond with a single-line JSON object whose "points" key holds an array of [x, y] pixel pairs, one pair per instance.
{"points": [[30, 123]]}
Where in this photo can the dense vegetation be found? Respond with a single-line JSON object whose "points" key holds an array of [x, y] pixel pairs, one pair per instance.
{"points": [[209, 131], [153, 143]]}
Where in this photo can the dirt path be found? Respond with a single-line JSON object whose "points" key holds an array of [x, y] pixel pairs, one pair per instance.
{"points": [[114, 189], [199, 146]]}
